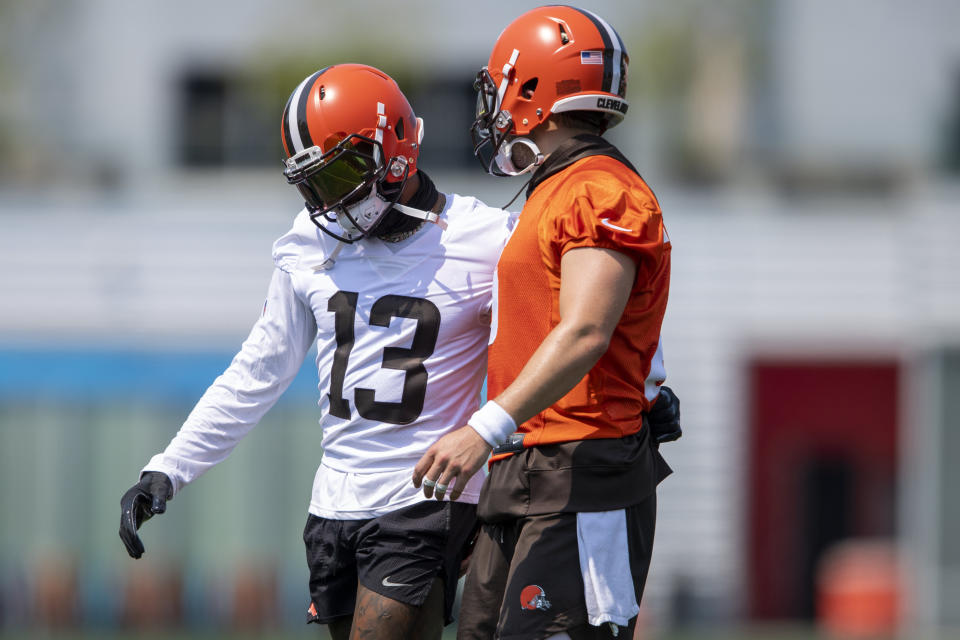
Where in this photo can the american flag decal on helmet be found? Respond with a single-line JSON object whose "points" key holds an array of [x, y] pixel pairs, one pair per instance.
{"points": [[591, 57]]}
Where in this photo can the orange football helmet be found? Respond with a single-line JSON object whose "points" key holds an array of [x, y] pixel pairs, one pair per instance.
{"points": [[351, 141], [552, 59]]}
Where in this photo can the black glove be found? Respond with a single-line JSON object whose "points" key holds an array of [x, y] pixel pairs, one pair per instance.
{"points": [[139, 503], [664, 417]]}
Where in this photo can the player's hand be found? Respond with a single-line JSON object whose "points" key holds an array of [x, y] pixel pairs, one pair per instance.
{"points": [[453, 459], [664, 417], [139, 504]]}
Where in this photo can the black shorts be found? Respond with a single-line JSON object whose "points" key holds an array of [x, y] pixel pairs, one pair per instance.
{"points": [[525, 579], [397, 555]]}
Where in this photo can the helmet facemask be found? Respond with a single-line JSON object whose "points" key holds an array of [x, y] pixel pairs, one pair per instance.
{"points": [[347, 185], [491, 131]]}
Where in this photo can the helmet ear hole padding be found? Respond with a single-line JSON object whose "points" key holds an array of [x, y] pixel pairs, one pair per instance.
{"points": [[399, 129], [526, 91]]}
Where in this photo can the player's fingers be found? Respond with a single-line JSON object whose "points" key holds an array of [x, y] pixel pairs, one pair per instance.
{"points": [[133, 544], [446, 479], [423, 465], [128, 533], [459, 484], [433, 478], [159, 504], [468, 469]]}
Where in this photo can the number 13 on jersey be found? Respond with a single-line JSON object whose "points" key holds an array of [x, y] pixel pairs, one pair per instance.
{"points": [[343, 305]]}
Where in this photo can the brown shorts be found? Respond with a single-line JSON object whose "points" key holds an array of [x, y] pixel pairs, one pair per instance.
{"points": [[525, 579]]}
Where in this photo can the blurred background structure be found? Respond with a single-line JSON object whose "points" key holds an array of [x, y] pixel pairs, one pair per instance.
{"points": [[806, 154]]}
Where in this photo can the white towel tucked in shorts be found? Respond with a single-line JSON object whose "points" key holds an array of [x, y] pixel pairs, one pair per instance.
{"points": [[605, 563]]}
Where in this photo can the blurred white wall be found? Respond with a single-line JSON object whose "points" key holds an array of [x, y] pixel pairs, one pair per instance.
{"points": [[863, 83], [815, 84]]}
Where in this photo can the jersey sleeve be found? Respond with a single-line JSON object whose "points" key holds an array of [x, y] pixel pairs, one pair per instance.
{"points": [[267, 363], [607, 213]]}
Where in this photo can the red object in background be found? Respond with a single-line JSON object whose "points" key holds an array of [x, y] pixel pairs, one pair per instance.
{"points": [[253, 601], [54, 593], [823, 454], [859, 590], [152, 595]]}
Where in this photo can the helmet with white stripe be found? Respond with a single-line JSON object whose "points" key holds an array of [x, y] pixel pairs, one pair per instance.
{"points": [[351, 141], [552, 59]]}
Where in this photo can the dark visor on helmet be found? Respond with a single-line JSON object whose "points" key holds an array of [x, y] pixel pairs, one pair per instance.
{"points": [[337, 177]]}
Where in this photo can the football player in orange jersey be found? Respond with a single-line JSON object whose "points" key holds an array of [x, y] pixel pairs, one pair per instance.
{"points": [[575, 364]]}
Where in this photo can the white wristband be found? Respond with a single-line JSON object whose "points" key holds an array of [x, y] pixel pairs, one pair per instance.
{"points": [[493, 423]]}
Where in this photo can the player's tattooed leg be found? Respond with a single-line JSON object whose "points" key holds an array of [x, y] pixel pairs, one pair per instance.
{"points": [[377, 617]]}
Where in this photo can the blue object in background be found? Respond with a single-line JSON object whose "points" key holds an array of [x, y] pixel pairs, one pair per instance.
{"points": [[81, 374]]}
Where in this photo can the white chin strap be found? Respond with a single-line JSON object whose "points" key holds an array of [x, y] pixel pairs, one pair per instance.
{"points": [[420, 214], [330, 261], [504, 157]]}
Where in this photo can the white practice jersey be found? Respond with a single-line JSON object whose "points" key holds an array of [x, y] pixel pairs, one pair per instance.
{"points": [[401, 330]]}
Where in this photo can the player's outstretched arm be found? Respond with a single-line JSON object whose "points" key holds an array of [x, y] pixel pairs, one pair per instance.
{"points": [[238, 399], [139, 504]]}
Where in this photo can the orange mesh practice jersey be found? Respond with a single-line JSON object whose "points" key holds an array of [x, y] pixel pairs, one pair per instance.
{"points": [[595, 202]]}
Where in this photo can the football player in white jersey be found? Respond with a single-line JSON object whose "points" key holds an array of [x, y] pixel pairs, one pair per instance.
{"points": [[393, 280]]}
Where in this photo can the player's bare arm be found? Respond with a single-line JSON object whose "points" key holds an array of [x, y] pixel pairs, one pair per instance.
{"points": [[595, 286]]}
